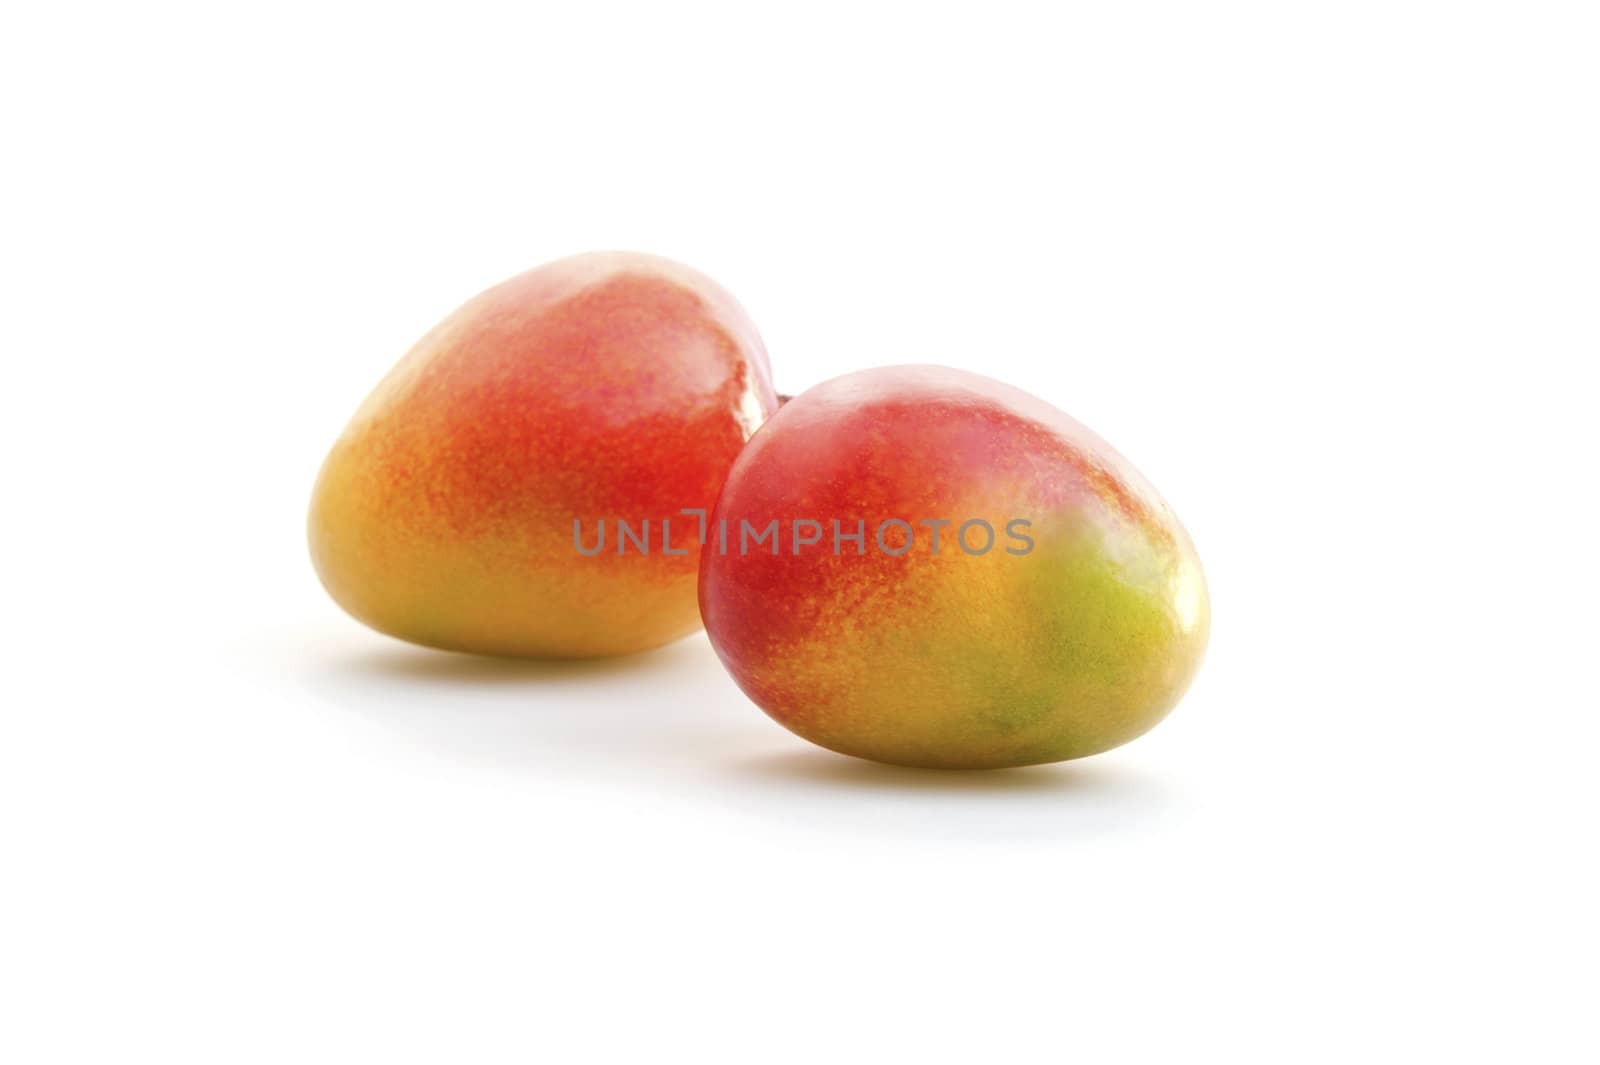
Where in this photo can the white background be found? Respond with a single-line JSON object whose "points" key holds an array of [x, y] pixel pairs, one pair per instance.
{"points": [[1326, 273]]}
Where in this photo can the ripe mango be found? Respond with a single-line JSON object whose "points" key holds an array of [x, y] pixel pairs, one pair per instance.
{"points": [[959, 576], [604, 386]]}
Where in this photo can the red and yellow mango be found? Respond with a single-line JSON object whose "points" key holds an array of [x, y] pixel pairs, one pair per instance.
{"points": [[605, 386], [1071, 626]]}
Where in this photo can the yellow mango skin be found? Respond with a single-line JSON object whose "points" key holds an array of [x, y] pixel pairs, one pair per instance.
{"points": [[604, 386]]}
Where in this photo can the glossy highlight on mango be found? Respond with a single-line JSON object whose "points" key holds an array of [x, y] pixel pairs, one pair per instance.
{"points": [[604, 385], [1066, 635]]}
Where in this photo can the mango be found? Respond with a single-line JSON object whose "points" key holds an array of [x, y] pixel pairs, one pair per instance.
{"points": [[606, 386], [926, 567]]}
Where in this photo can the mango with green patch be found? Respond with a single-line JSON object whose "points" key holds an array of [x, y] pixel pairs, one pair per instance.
{"points": [[601, 387], [1073, 625]]}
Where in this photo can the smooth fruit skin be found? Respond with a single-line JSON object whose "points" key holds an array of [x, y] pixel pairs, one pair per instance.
{"points": [[604, 386], [952, 660]]}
